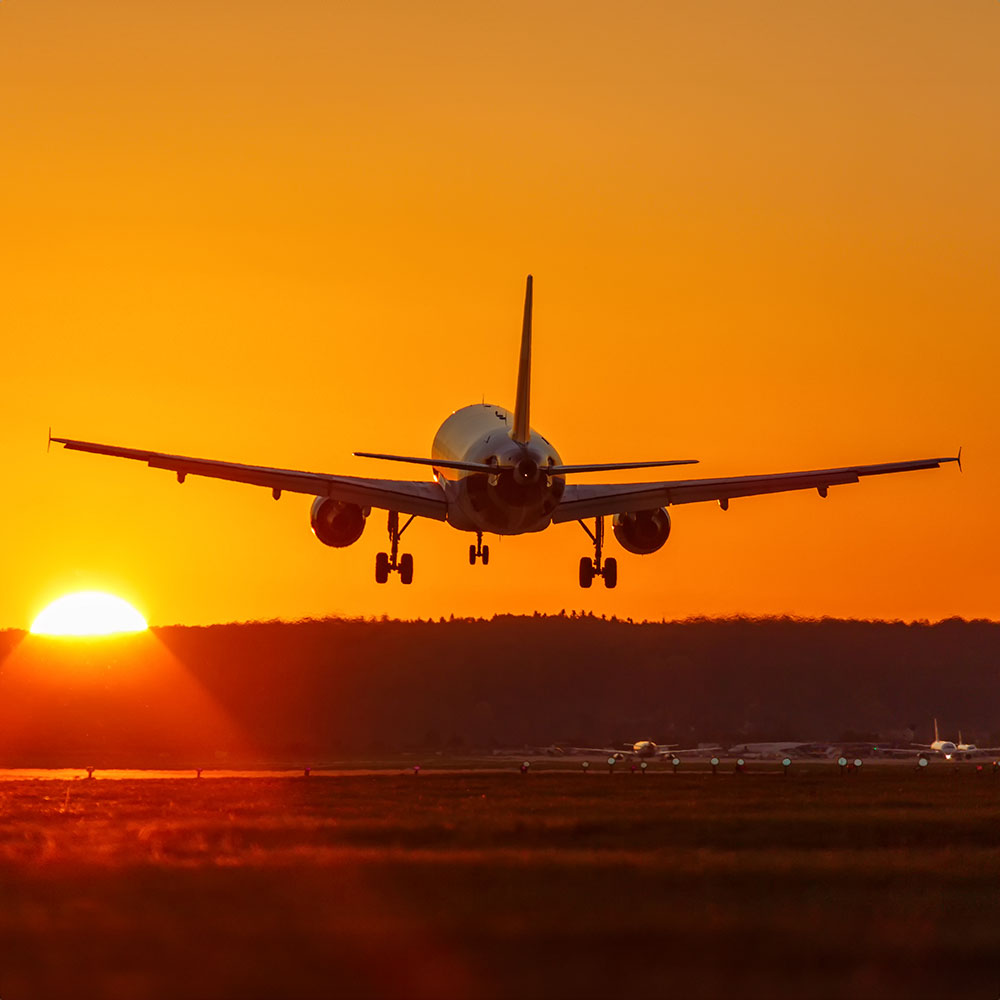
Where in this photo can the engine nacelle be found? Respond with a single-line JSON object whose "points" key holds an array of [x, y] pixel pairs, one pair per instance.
{"points": [[643, 532], [336, 523]]}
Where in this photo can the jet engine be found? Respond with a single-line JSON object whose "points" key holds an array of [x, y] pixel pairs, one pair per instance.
{"points": [[642, 532], [336, 523]]}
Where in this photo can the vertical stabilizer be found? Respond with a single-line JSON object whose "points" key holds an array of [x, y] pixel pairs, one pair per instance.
{"points": [[522, 427]]}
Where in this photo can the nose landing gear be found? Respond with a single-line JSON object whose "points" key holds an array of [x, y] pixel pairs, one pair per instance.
{"points": [[392, 562], [479, 551], [589, 568]]}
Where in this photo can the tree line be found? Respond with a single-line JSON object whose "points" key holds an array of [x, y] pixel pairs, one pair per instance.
{"points": [[329, 688]]}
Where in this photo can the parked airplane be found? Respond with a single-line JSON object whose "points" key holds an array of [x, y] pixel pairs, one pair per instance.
{"points": [[494, 473], [945, 748], [641, 748]]}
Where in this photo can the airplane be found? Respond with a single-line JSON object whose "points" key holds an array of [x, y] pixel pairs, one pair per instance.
{"points": [[644, 749], [493, 473], [945, 748]]}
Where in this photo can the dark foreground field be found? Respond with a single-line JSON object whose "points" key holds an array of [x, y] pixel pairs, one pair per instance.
{"points": [[881, 883]]}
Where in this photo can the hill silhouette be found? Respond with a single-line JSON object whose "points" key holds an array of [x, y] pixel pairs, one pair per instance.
{"points": [[322, 689]]}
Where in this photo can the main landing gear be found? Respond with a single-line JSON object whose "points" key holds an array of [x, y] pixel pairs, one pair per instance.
{"points": [[392, 562], [589, 568], [479, 551]]}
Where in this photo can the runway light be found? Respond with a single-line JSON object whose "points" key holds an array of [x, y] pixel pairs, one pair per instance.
{"points": [[416, 769], [858, 762], [90, 772], [842, 762], [611, 765], [306, 772], [197, 772], [715, 765], [740, 764], [586, 766], [922, 762], [525, 766], [786, 764], [643, 766]]}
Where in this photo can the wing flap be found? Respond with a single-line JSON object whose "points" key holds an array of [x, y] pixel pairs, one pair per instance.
{"points": [[421, 499], [598, 501]]}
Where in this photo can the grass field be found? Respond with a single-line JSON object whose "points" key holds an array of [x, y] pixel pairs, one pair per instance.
{"points": [[884, 883]]}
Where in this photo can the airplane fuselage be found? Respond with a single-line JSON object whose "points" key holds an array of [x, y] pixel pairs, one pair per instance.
{"points": [[520, 497], [944, 747]]}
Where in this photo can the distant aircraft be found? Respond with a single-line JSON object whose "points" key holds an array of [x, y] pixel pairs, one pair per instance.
{"points": [[944, 748], [493, 473], [641, 748]]}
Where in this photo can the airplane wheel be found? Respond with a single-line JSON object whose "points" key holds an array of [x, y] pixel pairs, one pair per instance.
{"points": [[406, 568], [472, 555], [381, 567], [610, 573], [486, 555], [586, 572]]}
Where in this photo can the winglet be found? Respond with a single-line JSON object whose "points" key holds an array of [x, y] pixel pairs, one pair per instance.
{"points": [[521, 430], [48, 447], [958, 458]]}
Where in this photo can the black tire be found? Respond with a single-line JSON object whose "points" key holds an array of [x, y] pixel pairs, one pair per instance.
{"points": [[586, 572], [611, 573], [381, 567], [406, 568], [486, 555], [472, 555]]}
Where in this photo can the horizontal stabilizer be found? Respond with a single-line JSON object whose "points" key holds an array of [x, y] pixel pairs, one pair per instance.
{"points": [[563, 470], [440, 463], [551, 470]]}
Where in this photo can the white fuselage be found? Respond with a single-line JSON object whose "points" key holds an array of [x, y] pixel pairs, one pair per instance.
{"points": [[518, 499]]}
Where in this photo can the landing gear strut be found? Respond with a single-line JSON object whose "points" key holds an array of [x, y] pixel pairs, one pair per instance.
{"points": [[589, 568], [479, 551], [392, 562]]}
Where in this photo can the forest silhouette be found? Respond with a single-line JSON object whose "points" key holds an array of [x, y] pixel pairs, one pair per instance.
{"points": [[331, 689]]}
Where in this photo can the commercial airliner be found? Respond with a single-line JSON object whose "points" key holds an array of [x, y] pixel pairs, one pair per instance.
{"points": [[493, 473], [944, 748]]}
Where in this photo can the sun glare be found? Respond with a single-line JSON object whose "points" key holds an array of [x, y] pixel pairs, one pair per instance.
{"points": [[89, 612]]}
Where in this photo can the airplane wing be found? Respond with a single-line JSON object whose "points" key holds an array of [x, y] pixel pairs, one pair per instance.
{"points": [[402, 496], [597, 500]]}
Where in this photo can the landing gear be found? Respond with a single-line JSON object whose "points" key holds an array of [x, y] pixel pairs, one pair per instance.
{"points": [[589, 568], [392, 562], [406, 569], [479, 551]]}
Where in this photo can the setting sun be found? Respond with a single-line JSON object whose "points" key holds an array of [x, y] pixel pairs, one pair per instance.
{"points": [[89, 612]]}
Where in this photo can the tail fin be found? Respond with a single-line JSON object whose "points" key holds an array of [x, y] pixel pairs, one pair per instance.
{"points": [[522, 427]]}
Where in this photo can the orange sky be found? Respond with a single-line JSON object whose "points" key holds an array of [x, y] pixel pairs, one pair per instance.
{"points": [[763, 234]]}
